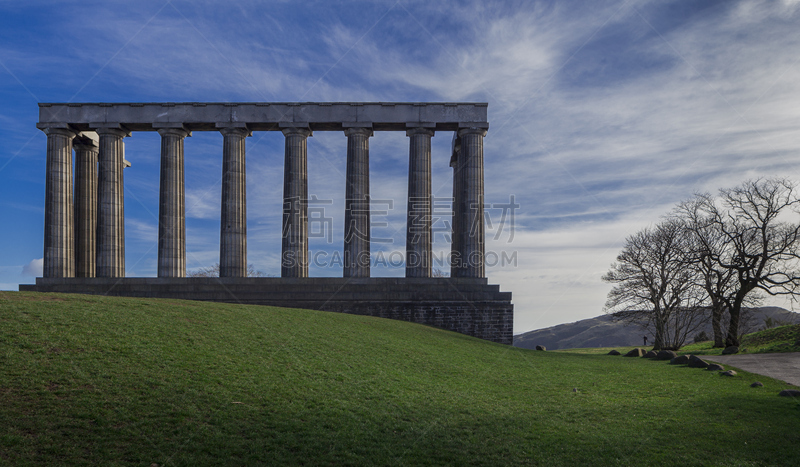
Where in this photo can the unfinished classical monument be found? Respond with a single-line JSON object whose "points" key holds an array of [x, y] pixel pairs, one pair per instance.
{"points": [[84, 229]]}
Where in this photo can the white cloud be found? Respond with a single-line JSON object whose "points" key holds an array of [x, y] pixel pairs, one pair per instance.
{"points": [[34, 268]]}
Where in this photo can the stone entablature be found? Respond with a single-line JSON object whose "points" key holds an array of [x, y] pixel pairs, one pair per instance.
{"points": [[262, 116]]}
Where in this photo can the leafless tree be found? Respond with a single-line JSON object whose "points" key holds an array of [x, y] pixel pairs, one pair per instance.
{"points": [[707, 242], [439, 273], [655, 285], [213, 271], [759, 231]]}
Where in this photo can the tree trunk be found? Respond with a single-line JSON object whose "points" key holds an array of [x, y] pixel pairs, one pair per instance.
{"points": [[716, 325], [659, 337], [733, 327]]}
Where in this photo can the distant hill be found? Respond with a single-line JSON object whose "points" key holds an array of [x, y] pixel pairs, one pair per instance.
{"points": [[602, 331]]}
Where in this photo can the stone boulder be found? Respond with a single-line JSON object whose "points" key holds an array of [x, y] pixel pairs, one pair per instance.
{"points": [[650, 354], [697, 362], [789, 393], [728, 373], [613, 352], [541, 347], [665, 355], [730, 350], [636, 353], [715, 367], [757, 384], [679, 360]]}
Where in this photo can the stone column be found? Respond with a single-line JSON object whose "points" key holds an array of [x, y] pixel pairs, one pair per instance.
{"points": [[110, 203], [458, 210], [472, 248], [86, 150], [172, 205], [233, 223], [59, 244], [418, 221], [356, 208], [294, 246]]}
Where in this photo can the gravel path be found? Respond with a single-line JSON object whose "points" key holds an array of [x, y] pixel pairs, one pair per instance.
{"points": [[782, 366]]}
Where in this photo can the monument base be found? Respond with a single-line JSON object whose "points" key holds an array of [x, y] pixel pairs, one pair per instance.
{"points": [[466, 305]]}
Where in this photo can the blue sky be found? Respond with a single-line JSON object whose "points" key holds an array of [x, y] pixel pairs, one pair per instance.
{"points": [[603, 115]]}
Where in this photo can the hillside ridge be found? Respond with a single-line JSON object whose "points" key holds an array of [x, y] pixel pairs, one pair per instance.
{"points": [[603, 331]]}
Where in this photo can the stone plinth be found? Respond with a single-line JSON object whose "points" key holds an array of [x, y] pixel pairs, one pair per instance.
{"points": [[468, 305]]}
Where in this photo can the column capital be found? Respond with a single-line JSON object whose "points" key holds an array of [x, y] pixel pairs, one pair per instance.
{"points": [[179, 132], [111, 129], [359, 130], [296, 130], [61, 131], [419, 131], [235, 130], [86, 141], [473, 130], [52, 128]]}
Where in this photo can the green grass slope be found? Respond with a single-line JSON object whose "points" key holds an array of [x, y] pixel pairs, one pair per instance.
{"points": [[112, 381], [776, 340]]}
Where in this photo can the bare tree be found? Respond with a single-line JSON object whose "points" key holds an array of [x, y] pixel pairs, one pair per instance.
{"points": [[655, 285], [759, 231], [706, 243], [213, 271]]}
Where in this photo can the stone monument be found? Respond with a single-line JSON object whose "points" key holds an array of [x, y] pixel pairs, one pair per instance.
{"points": [[84, 233]]}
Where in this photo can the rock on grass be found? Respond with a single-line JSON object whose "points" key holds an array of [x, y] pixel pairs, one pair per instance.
{"points": [[665, 355], [697, 362], [679, 360]]}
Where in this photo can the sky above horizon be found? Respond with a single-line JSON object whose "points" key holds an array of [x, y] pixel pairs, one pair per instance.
{"points": [[603, 115]]}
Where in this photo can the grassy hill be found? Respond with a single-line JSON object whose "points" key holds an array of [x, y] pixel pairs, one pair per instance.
{"points": [[90, 380], [775, 340]]}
